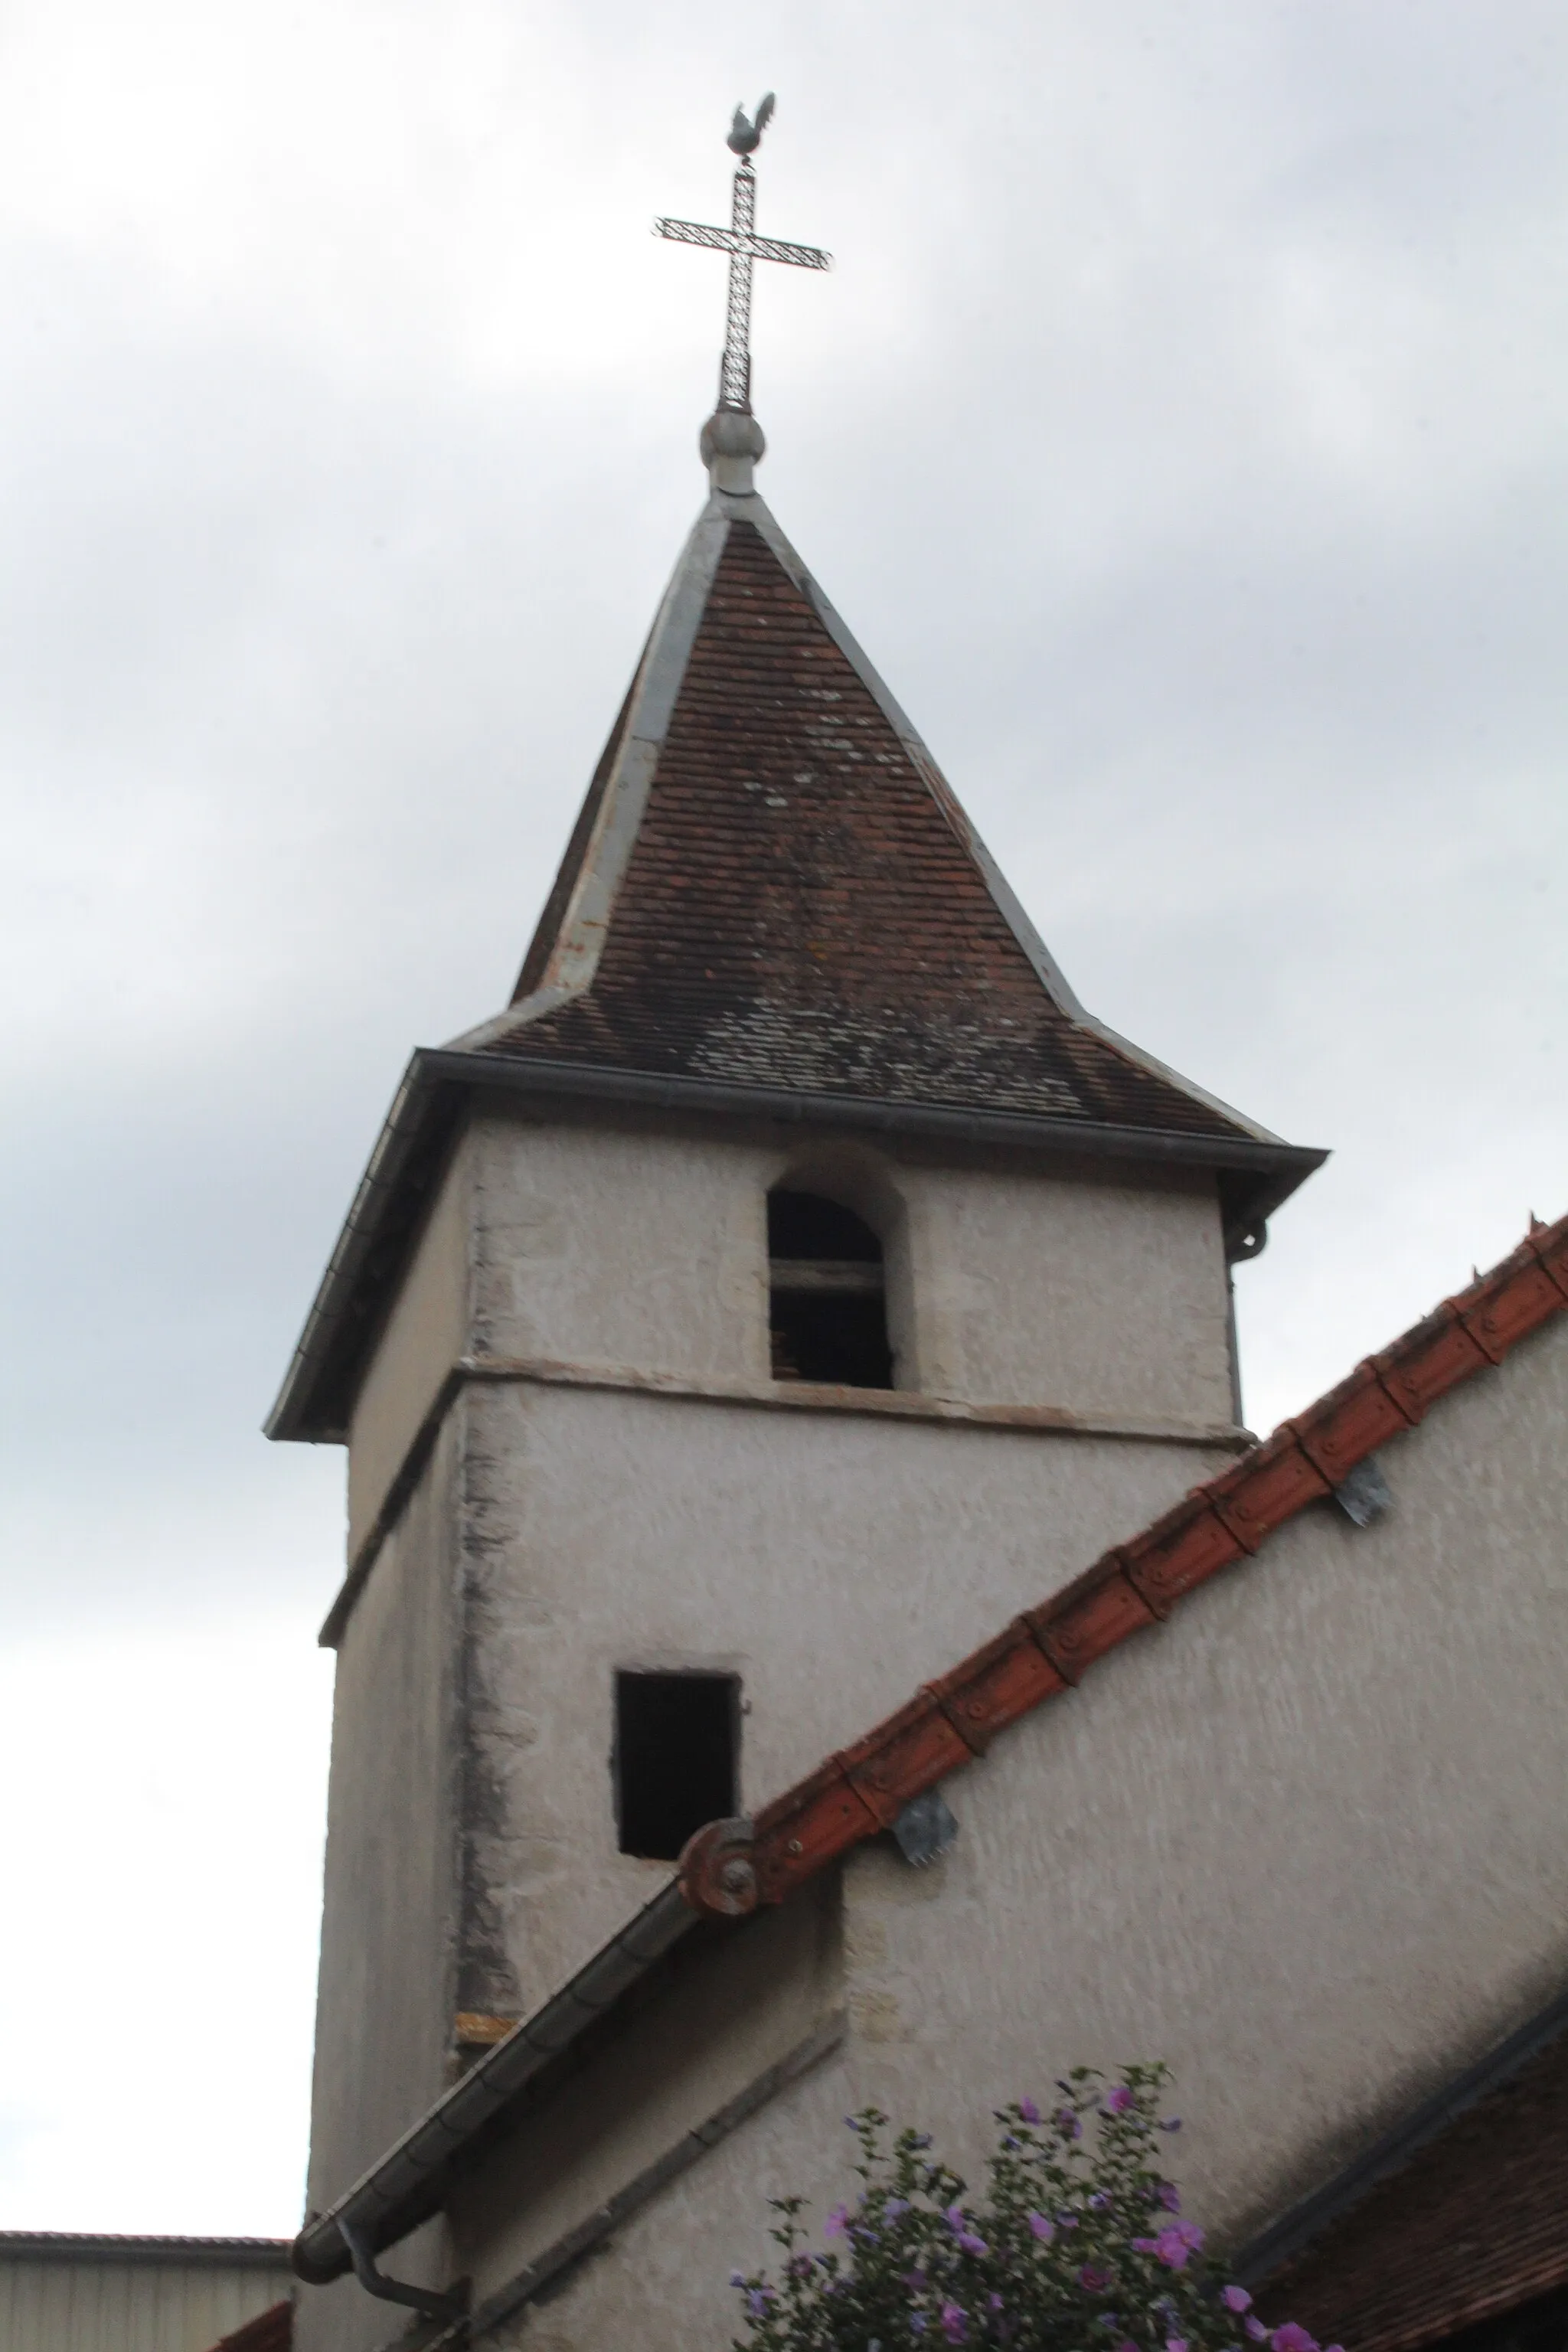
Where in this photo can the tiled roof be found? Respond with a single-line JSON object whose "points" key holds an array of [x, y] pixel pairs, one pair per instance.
{"points": [[270, 2331], [803, 905], [98, 2245], [771, 908], [863, 1788], [1473, 2225]]}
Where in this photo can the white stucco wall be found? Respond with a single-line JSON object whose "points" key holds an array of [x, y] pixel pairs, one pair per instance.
{"points": [[832, 1560], [384, 1999], [426, 1333], [627, 1247], [1081, 1289], [1306, 1841]]}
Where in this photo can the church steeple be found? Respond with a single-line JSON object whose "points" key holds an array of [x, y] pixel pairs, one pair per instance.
{"points": [[771, 884], [790, 1283], [772, 906]]}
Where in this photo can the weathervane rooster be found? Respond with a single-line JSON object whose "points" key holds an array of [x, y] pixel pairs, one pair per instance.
{"points": [[746, 137]]}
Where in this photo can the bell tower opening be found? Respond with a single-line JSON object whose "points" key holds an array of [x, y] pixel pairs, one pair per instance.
{"points": [[827, 1310]]}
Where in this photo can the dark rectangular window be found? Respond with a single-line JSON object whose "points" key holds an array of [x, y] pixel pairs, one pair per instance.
{"points": [[677, 1749], [827, 1316]]}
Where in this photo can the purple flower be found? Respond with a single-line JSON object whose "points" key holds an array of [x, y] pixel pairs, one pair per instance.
{"points": [[955, 2322], [1092, 2279], [1126, 2344], [757, 2301], [1067, 2220], [1099, 2203], [895, 2206], [1119, 2099], [1169, 2196], [736, 2279], [1068, 2124], [917, 2323], [1257, 2330], [921, 2139], [958, 2223], [1175, 2344], [1173, 2245], [1171, 2123], [837, 2222], [1236, 2298], [994, 2303], [1028, 2110], [915, 2280], [1042, 2229], [1291, 2338]]}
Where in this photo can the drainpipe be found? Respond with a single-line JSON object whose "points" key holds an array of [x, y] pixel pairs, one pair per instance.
{"points": [[423, 2299], [1249, 1243]]}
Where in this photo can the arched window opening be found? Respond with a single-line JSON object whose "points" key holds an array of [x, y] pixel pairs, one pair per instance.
{"points": [[827, 1315]]}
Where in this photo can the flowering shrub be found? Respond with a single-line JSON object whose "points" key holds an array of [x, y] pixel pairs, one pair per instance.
{"points": [[1079, 2244]]}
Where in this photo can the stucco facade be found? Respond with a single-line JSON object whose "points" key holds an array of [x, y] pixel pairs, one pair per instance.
{"points": [[1305, 1841], [568, 1457], [584, 1439]]}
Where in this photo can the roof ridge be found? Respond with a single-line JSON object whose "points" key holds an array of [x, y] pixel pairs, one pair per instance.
{"points": [[862, 1788]]}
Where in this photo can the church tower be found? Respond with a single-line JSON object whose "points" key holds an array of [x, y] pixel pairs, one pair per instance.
{"points": [[792, 1281]]}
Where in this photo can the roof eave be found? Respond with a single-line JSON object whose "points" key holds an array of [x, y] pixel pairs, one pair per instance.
{"points": [[440, 1082]]}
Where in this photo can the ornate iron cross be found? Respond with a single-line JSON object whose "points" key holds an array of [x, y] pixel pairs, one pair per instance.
{"points": [[743, 246]]}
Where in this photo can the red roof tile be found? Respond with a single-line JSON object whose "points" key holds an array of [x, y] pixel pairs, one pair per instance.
{"points": [[852, 1795], [270, 2331], [803, 906], [1474, 2224]]}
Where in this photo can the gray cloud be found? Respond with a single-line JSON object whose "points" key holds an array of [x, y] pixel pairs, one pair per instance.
{"points": [[1180, 432]]}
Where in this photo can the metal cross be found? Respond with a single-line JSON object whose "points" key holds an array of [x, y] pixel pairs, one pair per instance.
{"points": [[743, 246]]}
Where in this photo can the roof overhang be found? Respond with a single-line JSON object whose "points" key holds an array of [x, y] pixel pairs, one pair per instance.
{"points": [[441, 1084]]}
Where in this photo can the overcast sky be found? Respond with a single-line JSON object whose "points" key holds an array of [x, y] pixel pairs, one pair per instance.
{"points": [[1180, 433]]}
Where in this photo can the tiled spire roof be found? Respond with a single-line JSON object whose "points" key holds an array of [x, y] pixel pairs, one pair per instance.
{"points": [[773, 907], [771, 885]]}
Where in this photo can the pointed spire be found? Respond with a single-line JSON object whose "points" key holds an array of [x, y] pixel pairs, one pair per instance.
{"points": [[771, 885]]}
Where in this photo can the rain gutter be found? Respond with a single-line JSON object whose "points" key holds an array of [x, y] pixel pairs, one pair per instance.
{"points": [[409, 2183], [1255, 1177]]}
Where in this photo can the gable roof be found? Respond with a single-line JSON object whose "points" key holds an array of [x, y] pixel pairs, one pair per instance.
{"points": [[773, 907], [730, 1867], [1454, 2219]]}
